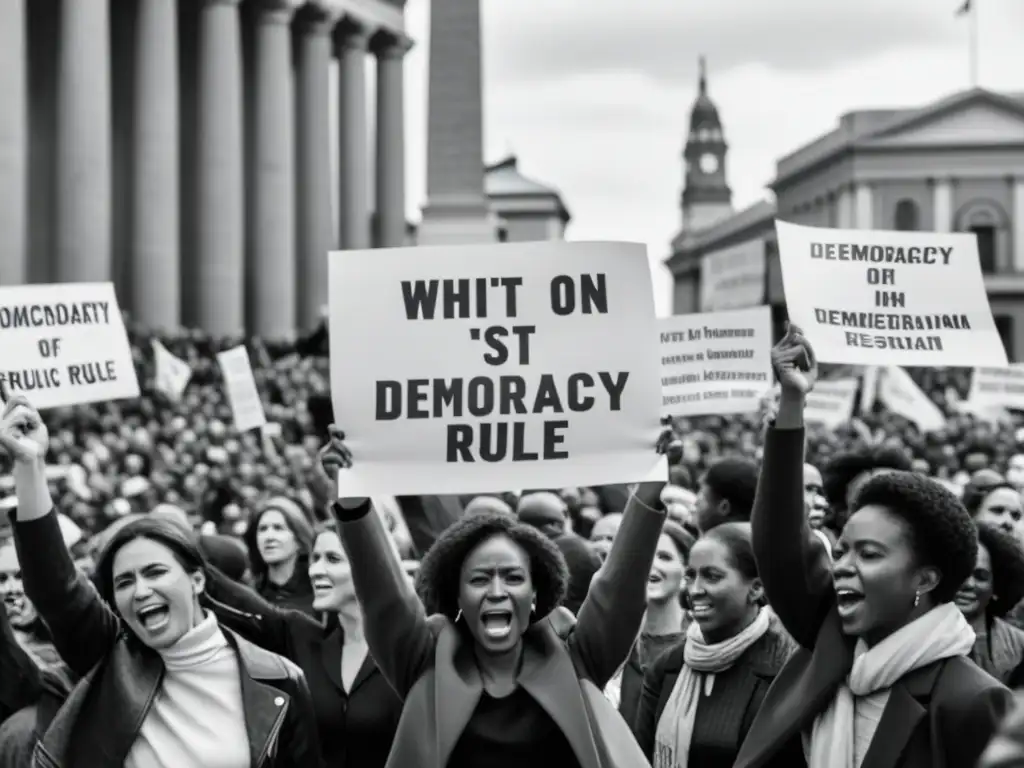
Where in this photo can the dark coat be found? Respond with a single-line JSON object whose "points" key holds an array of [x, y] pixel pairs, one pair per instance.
{"points": [[724, 717], [429, 662], [356, 727], [98, 724], [939, 716]]}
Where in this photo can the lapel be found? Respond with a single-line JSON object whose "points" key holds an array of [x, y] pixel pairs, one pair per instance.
{"points": [[903, 711], [330, 655], [265, 706], [547, 674]]}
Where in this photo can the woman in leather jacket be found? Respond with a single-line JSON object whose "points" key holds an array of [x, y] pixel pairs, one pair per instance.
{"points": [[163, 685]]}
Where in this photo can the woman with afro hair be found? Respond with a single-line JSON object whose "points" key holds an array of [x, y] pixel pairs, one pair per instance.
{"points": [[882, 677], [490, 669], [995, 585]]}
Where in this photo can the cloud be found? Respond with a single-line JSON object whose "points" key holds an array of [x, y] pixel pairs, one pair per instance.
{"points": [[528, 40]]}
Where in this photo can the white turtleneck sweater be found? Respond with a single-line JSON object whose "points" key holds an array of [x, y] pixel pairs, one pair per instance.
{"points": [[197, 719]]}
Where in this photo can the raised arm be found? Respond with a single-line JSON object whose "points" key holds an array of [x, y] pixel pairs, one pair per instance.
{"points": [[792, 562], [609, 619], [84, 629], [243, 610]]}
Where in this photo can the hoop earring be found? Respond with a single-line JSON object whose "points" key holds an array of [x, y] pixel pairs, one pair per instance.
{"points": [[458, 616], [917, 599]]}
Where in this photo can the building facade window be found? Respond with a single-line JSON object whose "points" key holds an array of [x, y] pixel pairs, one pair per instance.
{"points": [[990, 224], [907, 216]]}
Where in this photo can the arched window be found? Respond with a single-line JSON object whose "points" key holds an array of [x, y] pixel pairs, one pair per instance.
{"points": [[907, 218], [990, 224]]}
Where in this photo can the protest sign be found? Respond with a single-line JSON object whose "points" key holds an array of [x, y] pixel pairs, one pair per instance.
{"points": [[900, 394], [997, 388], [65, 344], [830, 404], [733, 278], [715, 362], [172, 373], [881, 298], [465, 369], [241, 388]]}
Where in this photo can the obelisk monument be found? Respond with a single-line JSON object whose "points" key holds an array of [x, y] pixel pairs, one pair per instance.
{"points": [[456, 210]]}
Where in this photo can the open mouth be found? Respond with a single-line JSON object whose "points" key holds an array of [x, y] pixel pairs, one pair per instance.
{"points": [[154, 617], [848, 601], [322, 585], [497, 624], [964, 598], [700, 608], [654, 578]]}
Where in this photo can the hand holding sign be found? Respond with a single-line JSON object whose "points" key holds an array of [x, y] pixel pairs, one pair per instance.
{"points": [[22, 432], [334, 457], [794, 363]]}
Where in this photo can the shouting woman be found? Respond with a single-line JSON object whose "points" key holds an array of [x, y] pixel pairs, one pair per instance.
{"points": [[163, 685], [882, 678], [496, 675]]}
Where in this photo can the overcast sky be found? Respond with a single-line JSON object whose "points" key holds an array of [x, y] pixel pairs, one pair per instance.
{"points": [[595, 100]]}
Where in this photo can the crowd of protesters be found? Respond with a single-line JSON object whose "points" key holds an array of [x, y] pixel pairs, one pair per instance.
{"points": [[793, 596]]}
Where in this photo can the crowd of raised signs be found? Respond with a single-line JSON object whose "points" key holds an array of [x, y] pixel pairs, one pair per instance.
{"points": [[181, 594]]}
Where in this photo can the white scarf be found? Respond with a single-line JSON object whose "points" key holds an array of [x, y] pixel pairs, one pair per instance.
{"points": [[701, 661], [942, 633]]}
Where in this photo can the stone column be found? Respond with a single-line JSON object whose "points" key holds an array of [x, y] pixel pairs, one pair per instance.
{"points": [[271, 285], [220, 215], [942, 205], [863, 206], [84, 195], [156, 250], [314, 235], [353, 199], [13, 142], [390, 192], [1017, 217]]}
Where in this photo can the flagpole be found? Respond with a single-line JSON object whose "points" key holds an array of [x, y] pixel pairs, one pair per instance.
{"points": [[973, 44]]}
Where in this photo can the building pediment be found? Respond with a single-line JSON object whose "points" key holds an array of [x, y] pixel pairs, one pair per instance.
{"points": [[967, 119]]}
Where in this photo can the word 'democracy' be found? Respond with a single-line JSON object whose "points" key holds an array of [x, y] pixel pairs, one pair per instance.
{"points": [[65, 344], [715, 362], [486, 405], [873, 297], [465, 369]]}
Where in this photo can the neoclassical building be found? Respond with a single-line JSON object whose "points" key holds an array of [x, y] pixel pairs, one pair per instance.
{"points": [[955, 165], [181, 148]]}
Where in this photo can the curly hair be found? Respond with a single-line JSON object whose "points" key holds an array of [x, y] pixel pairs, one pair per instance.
{"points": [[1007, 558], [943, 534], [438, 578], [846, 467]]}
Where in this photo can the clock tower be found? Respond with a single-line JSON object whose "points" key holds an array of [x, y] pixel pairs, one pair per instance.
{"points": [[706, 196]]}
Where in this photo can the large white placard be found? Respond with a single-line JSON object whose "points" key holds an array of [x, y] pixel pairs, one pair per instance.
{"points": [[65, 344], [715, 362], [880, 298], [733, 278], [479, 368]]}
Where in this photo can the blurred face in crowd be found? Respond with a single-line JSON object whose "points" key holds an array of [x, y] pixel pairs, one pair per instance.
{"points": [[275, 539], [1002, 508], [545, 512], [710, 510], [496, 594], [603, 534], [974, 596], [813, 487], [20, 610], [921, 467], [1015, 470], [666, 579], [722, 600], [330, 574], [154, 594], [876, 574]]}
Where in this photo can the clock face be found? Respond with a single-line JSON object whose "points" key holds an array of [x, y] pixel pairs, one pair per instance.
{"points": [[708, 163]]}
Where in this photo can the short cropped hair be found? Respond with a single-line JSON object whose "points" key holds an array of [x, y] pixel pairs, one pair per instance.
{"points": [[943, 535], [846, 467], [438, 578], [1007, 558], [735, 480]]}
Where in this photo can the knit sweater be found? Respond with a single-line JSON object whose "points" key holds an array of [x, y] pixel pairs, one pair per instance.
{"points": [[197, 718]]}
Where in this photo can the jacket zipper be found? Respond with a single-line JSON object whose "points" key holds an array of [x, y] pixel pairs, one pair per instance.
{"points": [[261, 762]]}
